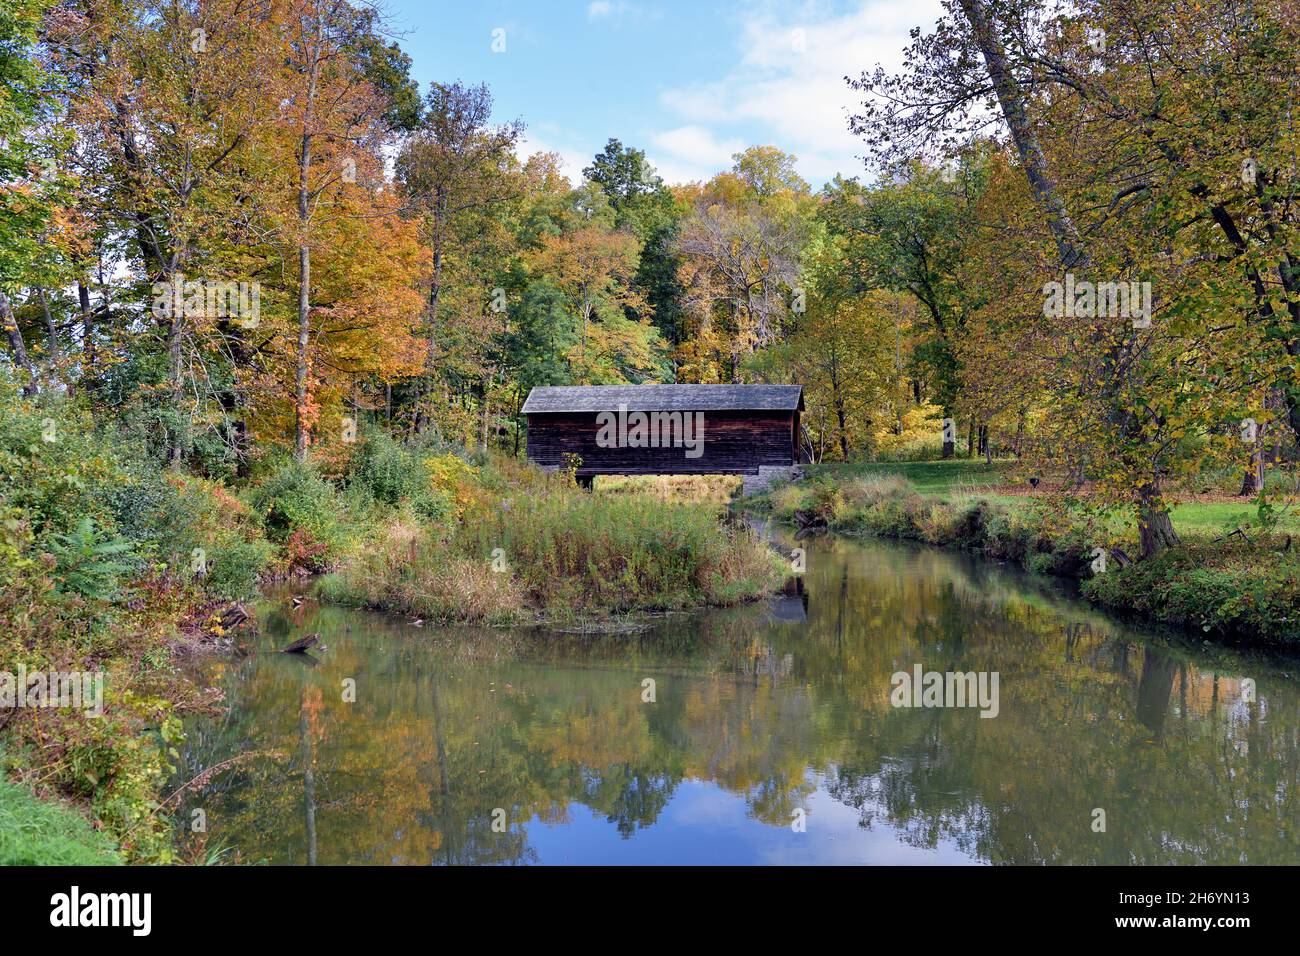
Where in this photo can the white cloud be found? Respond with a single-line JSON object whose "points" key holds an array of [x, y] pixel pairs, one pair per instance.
{"points": [[789, 86], [598, 9], [689, 153], [572, 160]]}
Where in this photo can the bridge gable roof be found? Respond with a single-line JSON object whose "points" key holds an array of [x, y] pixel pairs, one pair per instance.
{"points": [[664, 398]]}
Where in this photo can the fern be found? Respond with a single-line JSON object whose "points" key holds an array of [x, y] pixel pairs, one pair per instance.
{"points": [[89, 564]]}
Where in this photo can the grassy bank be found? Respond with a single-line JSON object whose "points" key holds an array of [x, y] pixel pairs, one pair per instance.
{"points": [[526, 546], [98, 558], [48, 832], [1234, 587]]}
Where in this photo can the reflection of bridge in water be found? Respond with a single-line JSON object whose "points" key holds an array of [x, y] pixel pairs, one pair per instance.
{"points": [[791, 605]]}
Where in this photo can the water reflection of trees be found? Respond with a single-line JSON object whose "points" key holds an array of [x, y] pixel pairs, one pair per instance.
{"points": [[449, 727]]}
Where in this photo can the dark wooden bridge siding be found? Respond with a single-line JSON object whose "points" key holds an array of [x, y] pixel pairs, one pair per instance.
{"points": [[746, 427], [734, 443]]}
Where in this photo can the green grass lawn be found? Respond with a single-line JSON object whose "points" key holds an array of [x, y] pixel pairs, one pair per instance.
{"points": [[36, 832], [1210, 519], [964, 476], [929, 477]]}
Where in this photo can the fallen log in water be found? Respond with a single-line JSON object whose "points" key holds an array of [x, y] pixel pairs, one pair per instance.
{"points": [[809, 519], [300, 645]]}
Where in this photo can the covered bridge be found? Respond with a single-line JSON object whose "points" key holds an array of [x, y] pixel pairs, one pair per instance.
{"points": [[749, 430]]}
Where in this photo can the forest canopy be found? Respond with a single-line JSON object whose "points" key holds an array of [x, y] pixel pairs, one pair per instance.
{"points": [[244, 228]]}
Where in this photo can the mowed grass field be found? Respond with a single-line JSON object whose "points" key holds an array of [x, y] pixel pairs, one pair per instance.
{"points": [[1203, 516]]}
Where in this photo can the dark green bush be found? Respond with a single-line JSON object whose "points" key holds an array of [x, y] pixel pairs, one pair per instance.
{"points": [[387, 470], [392, 474], [234, 569], [295, 498], [90, 563], [53, 467]]}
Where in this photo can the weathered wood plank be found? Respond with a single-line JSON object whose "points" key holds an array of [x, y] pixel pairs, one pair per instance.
{"points": [[731, 442]]}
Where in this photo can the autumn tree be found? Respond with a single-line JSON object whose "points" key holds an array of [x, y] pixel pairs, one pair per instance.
{"points": [[842, 351], [334, 121], [28, 192], [593, 265], [451, 167], [741, 252], [168, 94], [907, 234], [1095, 104]]}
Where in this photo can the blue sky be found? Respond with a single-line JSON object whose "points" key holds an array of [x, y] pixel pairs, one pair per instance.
{"points": [[688, 82]]}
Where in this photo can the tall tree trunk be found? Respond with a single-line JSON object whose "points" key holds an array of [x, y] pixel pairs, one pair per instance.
{"points": [[435, 288], [51, 336], [1155, 529], [842, 420], [15, 334], [175, 370], [841, 415], [301, 427], [304, 342], [87, 330], [1253, 481], [1068, 242]]}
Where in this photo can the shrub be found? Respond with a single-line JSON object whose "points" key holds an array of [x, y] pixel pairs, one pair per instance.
{"points": [[1244, 591], [938, 522], [173, 518], [86, 540], [826, 501], [454, 481], [393, 475], [1007, 536], [380, 465], [234, 569], [295, 499], [53, 467], [89, 563], [785, 500]]}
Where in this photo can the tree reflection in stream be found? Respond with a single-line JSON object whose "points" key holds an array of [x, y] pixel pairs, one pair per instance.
{"points": [[759, 711]]}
